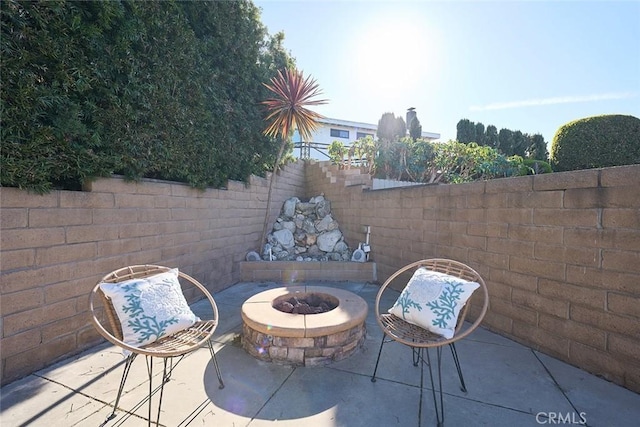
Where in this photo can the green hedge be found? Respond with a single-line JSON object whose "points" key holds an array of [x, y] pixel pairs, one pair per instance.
{"points": [[167, 90], [596, 142]]}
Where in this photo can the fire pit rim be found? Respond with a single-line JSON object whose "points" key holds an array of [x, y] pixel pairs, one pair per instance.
{"points": [[259, 314]]}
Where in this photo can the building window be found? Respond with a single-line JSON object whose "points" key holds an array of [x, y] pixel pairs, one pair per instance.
{"points": [[339, 133], [363, 135]]}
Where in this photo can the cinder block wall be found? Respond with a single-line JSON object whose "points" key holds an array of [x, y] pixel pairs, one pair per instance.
{"points": [[55, 247], [560, 253]]}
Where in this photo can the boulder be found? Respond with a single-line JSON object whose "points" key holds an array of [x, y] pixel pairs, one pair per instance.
{"points": [[323, 224], [323, 208], [284, 238], [327, 241], [289, 207]]}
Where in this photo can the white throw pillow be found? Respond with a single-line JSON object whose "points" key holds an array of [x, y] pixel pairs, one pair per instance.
{"points": [[150, 308], [432, 300]]}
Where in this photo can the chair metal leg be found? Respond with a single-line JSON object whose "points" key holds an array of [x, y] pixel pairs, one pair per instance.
{"points": [[215, 364], [416, 355], [166, 374], [420, 353], [125, 374], [454, 353], [373, 377], [168, 366], [439, 408], [149, 361], [165, 379]]}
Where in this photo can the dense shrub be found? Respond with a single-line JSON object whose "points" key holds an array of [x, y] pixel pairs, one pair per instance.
{"points": [[166, 90], [534, 167], [507, 141], [457, 162], [337, 151], [595, 142], [420, 160]]}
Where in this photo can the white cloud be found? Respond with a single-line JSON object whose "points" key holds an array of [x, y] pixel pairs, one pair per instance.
{"points": [[553, 101]]}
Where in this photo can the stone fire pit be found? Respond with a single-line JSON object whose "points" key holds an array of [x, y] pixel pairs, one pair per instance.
{"points": [[303, 339]]}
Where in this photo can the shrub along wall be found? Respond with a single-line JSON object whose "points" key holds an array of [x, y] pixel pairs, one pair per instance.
{"points": [[560, 252], [135, 88], [596, 142], [55, 247]]}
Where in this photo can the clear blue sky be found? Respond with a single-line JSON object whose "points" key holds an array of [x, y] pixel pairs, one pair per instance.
{"points": [[523, 65]]}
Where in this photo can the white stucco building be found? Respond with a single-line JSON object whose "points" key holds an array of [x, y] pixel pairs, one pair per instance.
{"points": [[345, 131]]}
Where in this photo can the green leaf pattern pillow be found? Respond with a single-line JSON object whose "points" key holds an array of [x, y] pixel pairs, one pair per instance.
{"points": [[433, 300], [150, 308]]}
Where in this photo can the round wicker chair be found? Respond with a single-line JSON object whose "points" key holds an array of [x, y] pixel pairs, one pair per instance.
{"points": [[421, 340], [176, 345]]}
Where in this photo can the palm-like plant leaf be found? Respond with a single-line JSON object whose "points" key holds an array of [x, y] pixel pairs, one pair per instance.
{"points": [[292, 93], [287, 109]]}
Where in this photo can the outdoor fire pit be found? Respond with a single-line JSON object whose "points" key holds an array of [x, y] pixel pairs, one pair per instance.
{"points": [[303, 325]]}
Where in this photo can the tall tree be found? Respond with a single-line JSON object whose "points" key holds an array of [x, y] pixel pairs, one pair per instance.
{"points": [[537, 148], [390, 130], [400, 127], [480, 137], [505, 141], [520, 143], [491, 137], [466, 131], [391, 127], [415, 128], [292, 93]]}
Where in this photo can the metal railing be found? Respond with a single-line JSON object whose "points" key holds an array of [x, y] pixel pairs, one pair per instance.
{"points": [[306, 147]]}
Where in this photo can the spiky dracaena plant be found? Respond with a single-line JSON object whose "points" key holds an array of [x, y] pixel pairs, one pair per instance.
{"points": [[292, 94]]}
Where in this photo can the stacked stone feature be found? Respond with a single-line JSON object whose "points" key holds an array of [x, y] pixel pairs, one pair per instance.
{"points": [[306, 231]]}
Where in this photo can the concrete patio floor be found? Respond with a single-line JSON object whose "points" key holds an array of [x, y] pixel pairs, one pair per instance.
{"points": [[508, 385]]}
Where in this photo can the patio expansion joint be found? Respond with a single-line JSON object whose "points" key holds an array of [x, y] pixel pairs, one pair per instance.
{"points": [[494, 405], [72, 392], [426, 389], [271, 396], [535, 354]]}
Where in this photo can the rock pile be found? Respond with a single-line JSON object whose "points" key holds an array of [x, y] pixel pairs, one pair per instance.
{"points": [[306, 231], [310, 305]]}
